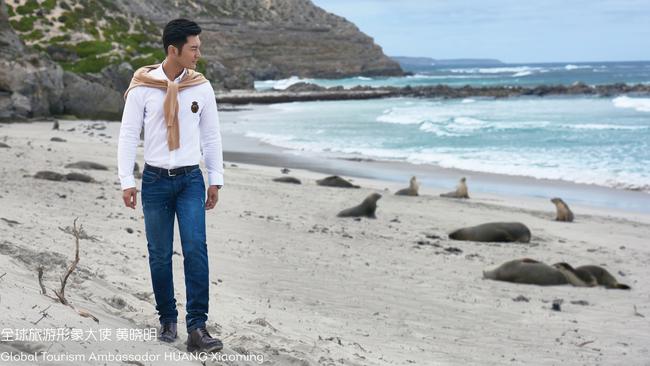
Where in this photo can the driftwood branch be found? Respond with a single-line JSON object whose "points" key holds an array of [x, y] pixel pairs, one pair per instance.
{"points": [[61, 293], [637, 313], [585, 343], [44, 315]]}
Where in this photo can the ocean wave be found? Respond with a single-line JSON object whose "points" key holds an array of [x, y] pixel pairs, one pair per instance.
{"points": [[450, 120], [639, 104], [499, 70], [273, 139], [468, 100], [536, 163], [407, 115], [597, 126], [437, 130], [436, 77], [520, 125], [570, 67], [363, 78], [523, 73], [280, 84]]}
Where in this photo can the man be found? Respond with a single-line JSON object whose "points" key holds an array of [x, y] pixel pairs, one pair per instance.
{"points": [[177, 107]]}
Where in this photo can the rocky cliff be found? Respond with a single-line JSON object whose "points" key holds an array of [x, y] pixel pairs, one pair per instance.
{"points": [[271, 39], [244, 40], [91, 47]]}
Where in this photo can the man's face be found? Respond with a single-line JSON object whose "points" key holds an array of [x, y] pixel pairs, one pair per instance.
{"points": [[190, 53]]}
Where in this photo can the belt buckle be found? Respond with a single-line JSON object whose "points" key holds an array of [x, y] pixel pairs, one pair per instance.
{"points": [[169, 173]]}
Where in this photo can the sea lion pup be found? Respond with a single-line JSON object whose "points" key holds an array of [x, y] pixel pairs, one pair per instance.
{"points": [[603, 277], [528, 271], [575, 277], [335, 181], [564, 213], [367, 208], [503, 232], [460, 192], [88, 165], [412, 190], [287, 180], [48, 175], [78, 177]]}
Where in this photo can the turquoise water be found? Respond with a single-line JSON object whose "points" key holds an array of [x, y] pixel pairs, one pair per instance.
{"points": [[603, 141], [592, 73]]}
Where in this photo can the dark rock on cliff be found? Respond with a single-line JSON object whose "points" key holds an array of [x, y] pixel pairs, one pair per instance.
{"points": [[86, 99], [30, 86], [303, 87]]}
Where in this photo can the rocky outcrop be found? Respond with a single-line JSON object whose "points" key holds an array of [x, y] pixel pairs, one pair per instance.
{"points": [[244, 40], [86, 99], [302, 92], [273, 39], [32, 85], [116, 77], [100, 43]]}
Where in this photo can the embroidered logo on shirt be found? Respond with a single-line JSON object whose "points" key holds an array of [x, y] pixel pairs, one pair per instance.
{"points": [[195, 107]]}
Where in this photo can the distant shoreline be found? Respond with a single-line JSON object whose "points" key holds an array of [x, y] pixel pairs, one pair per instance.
{"points": [[303, 92]]}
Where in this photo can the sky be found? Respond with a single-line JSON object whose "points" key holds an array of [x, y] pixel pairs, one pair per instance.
{"points": [[508, 30]]}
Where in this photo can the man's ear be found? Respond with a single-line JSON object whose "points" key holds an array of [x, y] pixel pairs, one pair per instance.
{"points": [[171, 49]]}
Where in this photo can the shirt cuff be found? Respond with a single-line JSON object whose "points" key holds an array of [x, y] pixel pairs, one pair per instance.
{"points": [[215, 179], [127, 182]]}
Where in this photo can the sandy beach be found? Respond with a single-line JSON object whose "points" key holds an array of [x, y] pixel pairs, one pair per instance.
{"points": [[295, 285]]}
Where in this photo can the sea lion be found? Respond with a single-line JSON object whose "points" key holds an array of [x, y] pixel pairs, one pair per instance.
{"points": [[335, 181], [55, 125], [367, 208], [460, 192], [48, 175], [412, 190], [78, 177], [3, 145], [504, 232], [287, 180], [285, 170], [564, 213], [86, 165], [57, 139], [575, 277], [603, 277], [527, 271]]}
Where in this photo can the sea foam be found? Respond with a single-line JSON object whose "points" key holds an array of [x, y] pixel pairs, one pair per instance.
{"points": [[639, 104]]}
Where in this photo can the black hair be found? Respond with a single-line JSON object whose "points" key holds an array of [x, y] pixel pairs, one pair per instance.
{"points": [[177, 31]]}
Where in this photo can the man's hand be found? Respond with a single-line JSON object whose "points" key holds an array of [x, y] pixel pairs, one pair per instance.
{"points": [[130, 196], [213, 197]]}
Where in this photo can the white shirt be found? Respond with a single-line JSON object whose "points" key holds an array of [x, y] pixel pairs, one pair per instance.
{"points": [[198, 131]]}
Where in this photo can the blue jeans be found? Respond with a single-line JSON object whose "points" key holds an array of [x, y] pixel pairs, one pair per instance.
{"points": [[183, 196]]}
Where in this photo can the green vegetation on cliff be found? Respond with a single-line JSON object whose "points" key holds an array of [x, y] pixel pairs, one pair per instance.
{"points": [[86, 35]]}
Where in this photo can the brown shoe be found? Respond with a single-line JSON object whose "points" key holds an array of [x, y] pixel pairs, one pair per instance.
{"points": [[167, 332], [200, 340]]}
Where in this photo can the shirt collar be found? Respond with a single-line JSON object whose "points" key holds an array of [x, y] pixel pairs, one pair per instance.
{"points": [[159, 73]]}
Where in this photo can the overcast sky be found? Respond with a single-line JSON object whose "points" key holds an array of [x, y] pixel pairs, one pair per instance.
{"points": [[508, 30]]}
